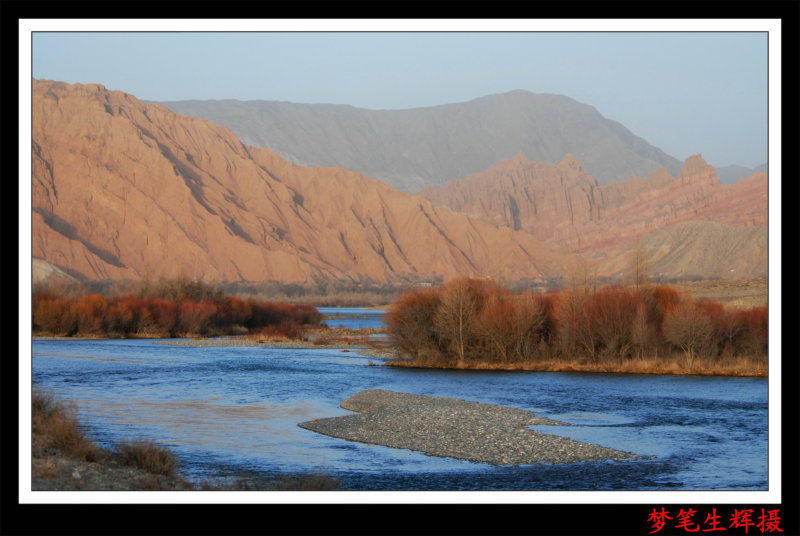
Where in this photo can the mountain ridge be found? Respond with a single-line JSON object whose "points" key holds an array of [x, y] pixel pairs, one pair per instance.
{"points": [[585, 217], [412, 148], [126, 189]]}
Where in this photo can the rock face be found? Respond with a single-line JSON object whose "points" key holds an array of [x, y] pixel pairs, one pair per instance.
{"points": [[409, 149], [125, 189], [562, 204]]}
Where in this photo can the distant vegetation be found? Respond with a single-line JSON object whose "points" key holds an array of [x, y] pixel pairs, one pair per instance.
{"points": [[167, 308], [469, 323]]}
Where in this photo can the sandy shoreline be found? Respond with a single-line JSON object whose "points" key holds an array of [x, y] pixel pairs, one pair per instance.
{"points": [[453, 428]]}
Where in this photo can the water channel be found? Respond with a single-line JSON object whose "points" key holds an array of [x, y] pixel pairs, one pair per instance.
{"points": [[235, 410]]}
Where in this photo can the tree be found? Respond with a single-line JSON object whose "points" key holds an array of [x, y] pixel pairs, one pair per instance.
{"points": [[510, 326], [687, 327], [640, 263], [611, 316], [461, 300], [411, 322]]}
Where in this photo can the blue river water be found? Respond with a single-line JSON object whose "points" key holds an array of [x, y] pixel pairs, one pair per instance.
{"points": [[235, 410]]}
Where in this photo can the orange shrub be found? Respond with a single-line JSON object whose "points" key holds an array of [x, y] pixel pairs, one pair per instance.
{"points": [[165, 316], [53, 315], [510, 328], [410, 322], [89, 312], [755, 339], [195, 318]]}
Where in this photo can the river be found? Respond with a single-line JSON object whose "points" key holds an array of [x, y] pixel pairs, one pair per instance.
{"points": [[235, 410]]}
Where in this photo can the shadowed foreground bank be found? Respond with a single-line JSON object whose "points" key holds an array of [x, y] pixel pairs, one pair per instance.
{"points": [[63, 459]]}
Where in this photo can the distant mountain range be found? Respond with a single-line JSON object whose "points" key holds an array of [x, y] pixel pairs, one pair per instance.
{"points": [[414, 148], [732, 174], [127, 189], [124, 189]]}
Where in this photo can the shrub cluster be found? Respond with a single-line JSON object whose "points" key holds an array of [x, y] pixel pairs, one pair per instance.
{"points": [[136, 315], [477, 321], [57, 422]]}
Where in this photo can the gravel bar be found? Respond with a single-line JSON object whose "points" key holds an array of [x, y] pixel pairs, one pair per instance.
{"points": [[452, 428]]}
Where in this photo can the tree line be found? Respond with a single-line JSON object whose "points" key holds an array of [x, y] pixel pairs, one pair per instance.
{"points": [[168, 308], [469, 322]]}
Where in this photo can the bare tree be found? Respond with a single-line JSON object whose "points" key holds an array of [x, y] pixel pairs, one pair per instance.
{"points": [[640, 263], [687, 327], [460, 303]]}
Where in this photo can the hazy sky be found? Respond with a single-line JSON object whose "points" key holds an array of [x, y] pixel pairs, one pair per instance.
{"points": [[686, 93]]}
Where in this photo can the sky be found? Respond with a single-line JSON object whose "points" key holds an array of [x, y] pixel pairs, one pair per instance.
{"points": [[686, 93]]}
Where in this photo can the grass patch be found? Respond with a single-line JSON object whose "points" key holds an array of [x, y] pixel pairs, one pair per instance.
{"points": [[148, 455], [57, 423]]}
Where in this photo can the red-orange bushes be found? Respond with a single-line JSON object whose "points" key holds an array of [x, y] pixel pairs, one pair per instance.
{"points": [[135, 315], [410, 322], [127, 315], [165, 316], [460, 303], [234, 311], [89, 312], [287, 328], [195, 317], [273, 313], [688, 327], [755, 336], [474, 320], [511, 328], [305, 314], [52, 314], [574, 334], [611, 315], [663, 298]]}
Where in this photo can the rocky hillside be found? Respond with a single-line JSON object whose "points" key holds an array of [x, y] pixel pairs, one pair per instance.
{"points": [[563, 205], [410, 149], [698, 250], [126, 189]]}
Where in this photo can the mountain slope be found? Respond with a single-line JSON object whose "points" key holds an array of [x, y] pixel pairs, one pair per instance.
{"points": [[562, 204], [125, 189], [410, 149], [699, 250]]}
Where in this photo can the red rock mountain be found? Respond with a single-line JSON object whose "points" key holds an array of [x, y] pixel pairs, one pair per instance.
{"points": [[125, 189], [561, 204]]}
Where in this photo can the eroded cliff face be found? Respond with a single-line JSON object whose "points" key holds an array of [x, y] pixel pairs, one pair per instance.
{"points": [[561, 204], [125, 189]]}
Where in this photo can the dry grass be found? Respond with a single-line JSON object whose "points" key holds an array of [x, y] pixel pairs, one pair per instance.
{"points": [[58, 423], [248, 482], [148, 455], [743, 366], [733, 293], [264, 337], [46, 469]]}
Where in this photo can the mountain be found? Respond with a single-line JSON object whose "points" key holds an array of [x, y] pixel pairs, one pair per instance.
{"points": [[731, 174], [698, 250], [561, 204], [414, 148], [126, 189]]}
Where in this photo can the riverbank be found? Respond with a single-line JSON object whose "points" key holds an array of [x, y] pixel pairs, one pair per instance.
{"points": [[743, 367], [63, 459], [452, 428], [382, 349]]}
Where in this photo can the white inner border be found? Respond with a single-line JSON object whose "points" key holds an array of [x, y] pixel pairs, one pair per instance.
{"points": [[772, 26]]}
